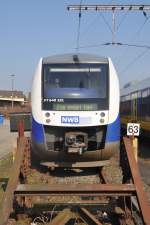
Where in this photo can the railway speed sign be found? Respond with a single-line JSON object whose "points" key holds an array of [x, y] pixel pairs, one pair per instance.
{"points": [[133, 129]]}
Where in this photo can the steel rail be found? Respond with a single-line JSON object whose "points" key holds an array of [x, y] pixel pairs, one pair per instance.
{"points": [[14, 189], [140, 194], [7, 200], [75, 189]]}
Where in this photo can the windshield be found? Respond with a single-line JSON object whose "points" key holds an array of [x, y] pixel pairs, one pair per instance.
{"points": [[75, 83]]}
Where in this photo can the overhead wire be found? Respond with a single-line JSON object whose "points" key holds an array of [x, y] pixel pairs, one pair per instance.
{"points": [[106, 22], [93, 46], [78, 29], [147, 48], [109, 26], [104, 19], [121, 44], [135, 60], [141, 27], [135, 36], [90, 25], [122, 20], [134, 45], [116, 44], [129, 65]]}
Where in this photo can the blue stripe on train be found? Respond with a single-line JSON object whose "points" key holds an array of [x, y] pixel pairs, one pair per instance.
{"points": [[113, 131], [37, 131]]}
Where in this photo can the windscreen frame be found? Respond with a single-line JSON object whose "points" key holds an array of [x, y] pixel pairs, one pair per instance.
{"points": [[103, 104]]}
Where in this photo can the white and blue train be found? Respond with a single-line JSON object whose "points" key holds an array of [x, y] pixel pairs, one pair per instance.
{"points": [[75, 111]]}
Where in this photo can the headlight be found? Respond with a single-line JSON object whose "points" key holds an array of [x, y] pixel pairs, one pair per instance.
{"points": [[101, 120], [48, 120], [47, 114], [102, 114]]}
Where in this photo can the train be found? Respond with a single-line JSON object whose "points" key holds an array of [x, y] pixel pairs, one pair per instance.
{"points": [[135, 105], [75, 111]]}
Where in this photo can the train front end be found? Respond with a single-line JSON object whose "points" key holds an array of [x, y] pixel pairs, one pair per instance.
{"points": [[75, 111]]}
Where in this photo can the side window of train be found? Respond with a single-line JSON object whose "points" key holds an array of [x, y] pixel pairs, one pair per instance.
{"points": [[145, 93]]}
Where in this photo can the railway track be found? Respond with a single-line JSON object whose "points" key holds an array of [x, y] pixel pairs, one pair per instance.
{"points": [[97, 202]]}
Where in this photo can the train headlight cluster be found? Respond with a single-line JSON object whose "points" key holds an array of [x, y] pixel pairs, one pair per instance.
{"points": [[102, 120], [47, 114], [48, 120], [102, 114]]}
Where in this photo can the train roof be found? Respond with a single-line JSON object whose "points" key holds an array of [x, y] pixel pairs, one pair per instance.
{"points": [[75, 58], [136, 86]]}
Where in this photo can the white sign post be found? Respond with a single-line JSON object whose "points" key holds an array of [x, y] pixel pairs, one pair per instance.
{"points": [[133, 129]]}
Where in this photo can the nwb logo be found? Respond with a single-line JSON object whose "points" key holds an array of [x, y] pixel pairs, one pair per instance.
{"points": [[70, 119]]}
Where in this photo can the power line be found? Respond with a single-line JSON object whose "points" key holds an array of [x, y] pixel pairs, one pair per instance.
{"points": [[135, 60], [108, 7], [93, 46], [141, 27], [114, 8], [122, 20], [124, 44], [109, 27], [78, 30], [89, 25], [137, 32], [105, 21], [133, 37], [116, 44]]}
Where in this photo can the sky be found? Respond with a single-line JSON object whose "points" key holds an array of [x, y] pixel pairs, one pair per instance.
{"points": [[31, 29]]}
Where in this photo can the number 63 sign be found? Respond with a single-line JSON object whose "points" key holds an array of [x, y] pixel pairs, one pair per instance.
{"points": [[133, 129]]}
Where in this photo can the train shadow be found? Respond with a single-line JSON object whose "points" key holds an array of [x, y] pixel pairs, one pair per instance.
{"points": [[65, 172], [73, 172]]}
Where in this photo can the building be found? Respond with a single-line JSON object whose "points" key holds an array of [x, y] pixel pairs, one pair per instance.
{"points": [[7, 98]]}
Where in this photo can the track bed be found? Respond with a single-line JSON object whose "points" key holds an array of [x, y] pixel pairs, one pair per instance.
{"points": [[74, 196]]}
